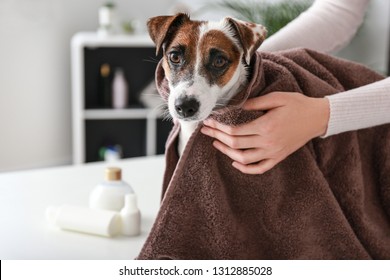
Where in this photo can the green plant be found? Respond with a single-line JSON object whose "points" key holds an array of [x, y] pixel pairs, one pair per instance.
{"points": [[128, 26], [273, 15], [110, 5]]}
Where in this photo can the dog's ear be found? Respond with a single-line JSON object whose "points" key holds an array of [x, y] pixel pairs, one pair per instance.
{"points": [[250, 35], [161, 28]]}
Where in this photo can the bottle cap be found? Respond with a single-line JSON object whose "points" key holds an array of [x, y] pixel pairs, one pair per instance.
{"points": [[113, 174]]}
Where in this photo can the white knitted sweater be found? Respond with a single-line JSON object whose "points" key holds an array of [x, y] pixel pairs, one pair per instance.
{"points": [[328, 26]]}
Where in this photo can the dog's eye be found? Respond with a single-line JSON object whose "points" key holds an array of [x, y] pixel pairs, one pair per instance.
{"points": [[175, 57], [219, 62]]}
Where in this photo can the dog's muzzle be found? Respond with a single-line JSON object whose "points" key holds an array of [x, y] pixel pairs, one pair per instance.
{"points": [[186, 107]]}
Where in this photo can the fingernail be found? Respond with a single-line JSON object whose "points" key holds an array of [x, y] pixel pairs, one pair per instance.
{"points": [[207, 122], [204, 130]]}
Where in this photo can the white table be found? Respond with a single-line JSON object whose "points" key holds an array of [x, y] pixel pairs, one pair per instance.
{"points": [[24, 196]]}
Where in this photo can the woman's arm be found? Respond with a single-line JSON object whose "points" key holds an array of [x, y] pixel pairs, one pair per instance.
{"points": [[359, 108], [327, 26]]}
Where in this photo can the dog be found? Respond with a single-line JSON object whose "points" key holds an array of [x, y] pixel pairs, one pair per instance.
{"points": [[206, 64]]}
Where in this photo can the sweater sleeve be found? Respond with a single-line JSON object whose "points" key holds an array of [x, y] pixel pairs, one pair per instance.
{"points": [[327, 26], [359, 108]]}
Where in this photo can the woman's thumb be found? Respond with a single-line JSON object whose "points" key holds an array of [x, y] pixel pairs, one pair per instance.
{"points": [[265, 102]]}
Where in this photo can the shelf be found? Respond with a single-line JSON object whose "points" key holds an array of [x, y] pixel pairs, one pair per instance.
{"points": [[134, 61], [137, 113], [139, 131]]}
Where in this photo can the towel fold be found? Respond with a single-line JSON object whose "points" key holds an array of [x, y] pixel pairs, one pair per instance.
{"points": [[328, 200]]}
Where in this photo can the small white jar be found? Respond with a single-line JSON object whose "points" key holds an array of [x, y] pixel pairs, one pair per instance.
{"points": [[130, 216], [110, 194]]}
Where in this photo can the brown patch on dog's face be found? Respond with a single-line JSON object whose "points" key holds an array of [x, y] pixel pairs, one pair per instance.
{"points": [[219, 58], [161, 28], [251, 25], [180, 53]]}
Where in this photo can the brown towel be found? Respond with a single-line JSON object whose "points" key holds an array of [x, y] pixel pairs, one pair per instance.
{"points": [[328, 200]]}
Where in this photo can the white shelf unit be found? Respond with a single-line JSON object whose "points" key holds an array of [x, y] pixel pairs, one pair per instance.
{"points": [[81, 113]]}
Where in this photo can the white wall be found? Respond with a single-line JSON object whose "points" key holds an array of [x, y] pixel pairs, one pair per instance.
{"points": [[35, 96]]}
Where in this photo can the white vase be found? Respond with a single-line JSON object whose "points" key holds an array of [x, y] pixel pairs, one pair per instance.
{"points": [[106, 20]]}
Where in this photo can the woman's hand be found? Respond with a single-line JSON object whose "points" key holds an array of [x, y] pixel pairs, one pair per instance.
{"points": [[290, 121]]}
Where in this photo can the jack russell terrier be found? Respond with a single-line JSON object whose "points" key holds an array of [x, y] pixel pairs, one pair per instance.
{"points": [[205, 63]]}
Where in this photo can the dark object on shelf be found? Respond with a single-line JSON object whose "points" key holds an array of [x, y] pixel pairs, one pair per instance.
{"points": [[104, 86], [110, 152]]}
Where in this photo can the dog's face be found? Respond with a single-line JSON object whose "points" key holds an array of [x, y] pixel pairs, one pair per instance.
{"points": [[204, 62]]}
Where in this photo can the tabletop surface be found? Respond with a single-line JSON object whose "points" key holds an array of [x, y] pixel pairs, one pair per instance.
{"points": [[25, 195]]}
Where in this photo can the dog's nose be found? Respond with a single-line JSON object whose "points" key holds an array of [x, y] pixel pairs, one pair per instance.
{"points": [[186, 107]]}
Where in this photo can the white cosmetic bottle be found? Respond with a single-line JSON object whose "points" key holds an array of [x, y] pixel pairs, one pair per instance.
{"points": [[120, 94], [85, 220], [130, 216], [110, 194]]}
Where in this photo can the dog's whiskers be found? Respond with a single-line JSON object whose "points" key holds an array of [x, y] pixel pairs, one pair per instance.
{"points": [[164, 113], [161, 107], [152, 60], [166, 116]]}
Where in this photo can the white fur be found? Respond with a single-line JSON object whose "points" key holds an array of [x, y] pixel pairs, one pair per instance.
{"points": [[186, 130]]}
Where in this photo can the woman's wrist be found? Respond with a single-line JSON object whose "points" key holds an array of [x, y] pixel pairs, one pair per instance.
{"points": [[322, 116]]}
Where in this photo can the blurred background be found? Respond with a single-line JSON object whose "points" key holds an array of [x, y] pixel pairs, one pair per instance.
{"points": [[35, 66]]}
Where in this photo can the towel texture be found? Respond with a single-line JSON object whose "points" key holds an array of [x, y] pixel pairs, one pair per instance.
{"points": [[328, 200]]}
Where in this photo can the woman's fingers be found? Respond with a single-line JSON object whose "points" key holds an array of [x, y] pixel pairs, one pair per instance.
{"points": [[235, 142], [245, 129], [247, 156], [266, 102]]}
